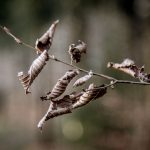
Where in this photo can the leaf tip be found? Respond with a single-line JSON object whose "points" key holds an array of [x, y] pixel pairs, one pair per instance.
{"points": [[57, 21], [109, 65]]}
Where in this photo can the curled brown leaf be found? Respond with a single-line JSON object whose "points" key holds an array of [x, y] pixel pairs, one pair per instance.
{"points": [[128, 66], [35, 69], [45, 41], [61, 85]]}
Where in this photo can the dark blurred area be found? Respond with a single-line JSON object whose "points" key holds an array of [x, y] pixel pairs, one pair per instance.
{"points": [[113, 30]]}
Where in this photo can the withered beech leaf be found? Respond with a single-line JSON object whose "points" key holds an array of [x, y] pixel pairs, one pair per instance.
{"points": [[83, 79], [76, 50], [61, 85], [93, 92], [64, 102], [85, 97], [143, 77], [68, 100], [126, 66], [52, 107], [52, 114], [98, 91], [35, 69], [82, 47], [45, 41]]}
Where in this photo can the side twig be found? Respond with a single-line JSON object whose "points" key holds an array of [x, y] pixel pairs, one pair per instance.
{"points": [[17, 40]]}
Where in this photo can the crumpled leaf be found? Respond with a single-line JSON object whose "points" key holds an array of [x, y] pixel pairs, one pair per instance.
{"points": [[144, 77], [128, 66], [68, 100], [45, 41], [98, 91], [76, 50], [59, 107]]}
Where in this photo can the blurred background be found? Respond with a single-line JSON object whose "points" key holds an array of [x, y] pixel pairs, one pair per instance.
{"points": [[113, 30]]}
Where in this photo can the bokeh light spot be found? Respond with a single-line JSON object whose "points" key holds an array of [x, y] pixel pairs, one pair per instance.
{"points": [[72, 129]]}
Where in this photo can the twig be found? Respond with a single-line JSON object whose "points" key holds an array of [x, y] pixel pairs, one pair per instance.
{"points": [[81, 69], [52, 57], [17, 40], [132, 82]]}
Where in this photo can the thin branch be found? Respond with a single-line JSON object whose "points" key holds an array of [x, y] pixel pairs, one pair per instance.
{"points": [[98, 74], [52, 57], [125, 82], [81, 69], [132, 82], [16, 39]]}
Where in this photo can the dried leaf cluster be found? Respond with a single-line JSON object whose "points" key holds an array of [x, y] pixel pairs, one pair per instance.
{"points": [[72, 101], [59, 106]]}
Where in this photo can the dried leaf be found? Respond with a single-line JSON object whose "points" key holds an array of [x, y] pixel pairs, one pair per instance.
{"points": [[143, 77], [83, 79], [52, 114], [82, 47], [130, 68], [98, 91], [35, 69], [61, 85], [24, 79], [85, 97], [76, 50], [68, 100], [45, 42], [126, 66], [90, 94], [52, 107], [64, 102]]}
